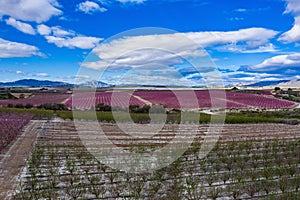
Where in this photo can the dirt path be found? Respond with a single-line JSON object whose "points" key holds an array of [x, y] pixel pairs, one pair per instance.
{"points": [[15, 158], [148, 103], [66, 100]]}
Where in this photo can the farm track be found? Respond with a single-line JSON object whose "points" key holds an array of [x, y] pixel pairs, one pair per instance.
{"points": [[60, 143], [13, 159]]}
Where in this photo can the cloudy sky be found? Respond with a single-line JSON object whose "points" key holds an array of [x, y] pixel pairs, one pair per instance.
{"points": [[246, 41]]}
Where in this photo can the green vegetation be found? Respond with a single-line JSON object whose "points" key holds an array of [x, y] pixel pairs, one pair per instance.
{"points": [[53, 106], [288, 94], [255, 168], [38, 114], [282, 116], [5, 95], [188, 117], [141, 115]]}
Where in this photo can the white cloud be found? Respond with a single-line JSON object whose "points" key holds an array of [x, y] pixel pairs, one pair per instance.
{"points": [[169, 49], [109, 2], [54, 30], [67, 38], [28, 74], [90, 7], [42, 75], [131, 1], [281, 61], [269, 47], [293, 35], [44, 30], [252, 37], [293, 6], [20, 72], [236, 19], [240, 10], [281, 64], [10, 49], [82, 42], [28, 10], [59, 32], [23, 27]]}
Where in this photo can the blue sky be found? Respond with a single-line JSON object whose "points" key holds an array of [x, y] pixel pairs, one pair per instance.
{"points": [[248, 40]]}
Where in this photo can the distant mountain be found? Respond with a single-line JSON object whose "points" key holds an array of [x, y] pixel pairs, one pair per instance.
{"points": [[95, 84], [268, 83], [35, 83], [292, 83]]}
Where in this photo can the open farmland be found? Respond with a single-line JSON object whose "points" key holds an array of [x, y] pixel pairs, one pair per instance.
{"points": [[189, 99], [229, 99], [38, 99], [86, 100], [261, 161]]}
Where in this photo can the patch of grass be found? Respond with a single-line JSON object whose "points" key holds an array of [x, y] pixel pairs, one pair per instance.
{"points": [[230, 119], [37, 114], [192, 117], [189, 117]]}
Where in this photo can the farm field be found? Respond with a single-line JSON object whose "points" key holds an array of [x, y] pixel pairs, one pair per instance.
{"points": [[86, 100], [13, 158], [257, 161], [38, 99], [11, 126], [170, 100]]}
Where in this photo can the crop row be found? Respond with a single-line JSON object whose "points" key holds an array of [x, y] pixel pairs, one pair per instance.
{"points": [[37, 99], [241, 168], [178, 99], [207, 99], [86, 100], [11, 126]]}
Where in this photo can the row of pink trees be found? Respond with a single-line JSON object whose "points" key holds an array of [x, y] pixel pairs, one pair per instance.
{"points": [[11, 125], [38, 99]]}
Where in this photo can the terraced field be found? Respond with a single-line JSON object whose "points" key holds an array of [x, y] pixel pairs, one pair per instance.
{"points": [[253, 161]]}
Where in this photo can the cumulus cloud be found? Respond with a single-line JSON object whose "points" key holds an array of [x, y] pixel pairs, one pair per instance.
{"points": [[28, 10], [89, 7], [20, 72], [67, 38], [170, 49], [292, 35], [293, 6], [56, 31], [281, 60], [245, 78], [42, 75], [43, 29], [28, 74], [10, 49], [289, 64], [60, 32], [269, 47], [82, 42], [23, 27], [252, 37], [131, 1]]}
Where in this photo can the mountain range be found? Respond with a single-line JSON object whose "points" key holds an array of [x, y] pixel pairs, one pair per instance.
{"points": [[47, 83], [100, 84], [282, 83], [35, 83]]}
